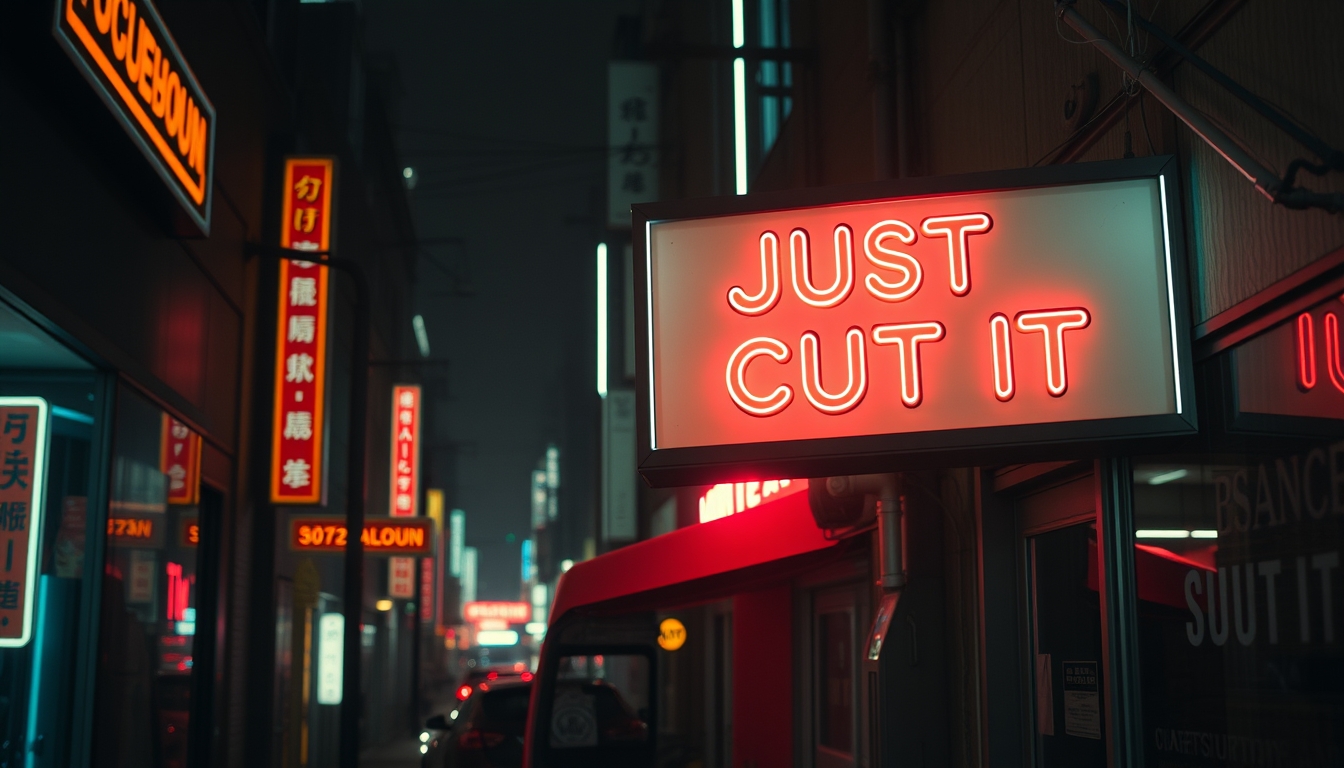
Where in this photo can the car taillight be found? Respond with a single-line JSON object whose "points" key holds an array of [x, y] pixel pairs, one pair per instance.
{"points": [[463, 692], [478, 739], [527, 677]]}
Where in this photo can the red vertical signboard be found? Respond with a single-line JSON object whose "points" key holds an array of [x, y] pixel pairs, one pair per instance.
{"points": [[23, 452], [301, 336], [180, 460], [404, 494], [405, 451]]}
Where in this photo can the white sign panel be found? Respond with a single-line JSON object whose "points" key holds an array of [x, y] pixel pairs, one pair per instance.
{"points": [[330, 647], [632, 120]]}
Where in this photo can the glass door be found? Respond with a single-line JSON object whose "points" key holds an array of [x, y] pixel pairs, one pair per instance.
{"points": [[835, 678], [1060, 541]]}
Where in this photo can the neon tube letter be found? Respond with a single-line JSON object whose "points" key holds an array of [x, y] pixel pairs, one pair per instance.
{"points": [[907, 337], [736, 377], [855, 388], [1001, 343], [1332, 351], [956, 229], [801, 262], [1306, 352], [769, 295], [1051, 324], [912, 274]]}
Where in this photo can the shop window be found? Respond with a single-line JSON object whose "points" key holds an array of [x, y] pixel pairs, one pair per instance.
{"points": [[1241, 633], [51, 435], [774, 78], [149, 652]]}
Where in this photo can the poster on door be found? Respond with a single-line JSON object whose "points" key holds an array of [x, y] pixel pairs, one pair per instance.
{"points": [[23, 451]]}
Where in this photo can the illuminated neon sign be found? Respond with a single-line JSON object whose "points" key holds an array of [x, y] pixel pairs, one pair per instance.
{"points": [[23, 456], [299, 418], [497, 611], [124, 50], [180, 460], [1033, 307], [727, 499], [1294, 370], [381, 536]]}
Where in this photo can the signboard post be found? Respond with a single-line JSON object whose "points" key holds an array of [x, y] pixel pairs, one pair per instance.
{"points": [[299, 419], [976, 318], [23, 474], [130, 58]]}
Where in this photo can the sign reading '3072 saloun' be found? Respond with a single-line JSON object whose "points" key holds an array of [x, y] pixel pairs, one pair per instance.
{"points": [[930, 320], [127, 53]]}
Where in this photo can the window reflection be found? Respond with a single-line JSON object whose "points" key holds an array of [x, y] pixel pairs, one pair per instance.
{"points": [[1239, 586], [146, 649]]}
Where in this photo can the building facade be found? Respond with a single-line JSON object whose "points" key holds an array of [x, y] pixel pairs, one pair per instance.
{"points": [[155, 610], [1151, 602]]}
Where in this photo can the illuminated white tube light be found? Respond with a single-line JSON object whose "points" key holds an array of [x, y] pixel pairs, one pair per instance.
{"points": [[602, 319]]}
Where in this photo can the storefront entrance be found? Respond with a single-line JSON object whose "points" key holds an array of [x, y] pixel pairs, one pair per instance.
{"points": [[1059, 541]]}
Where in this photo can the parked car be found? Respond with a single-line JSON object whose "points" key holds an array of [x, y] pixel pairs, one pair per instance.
{"points": [[485, 731]]}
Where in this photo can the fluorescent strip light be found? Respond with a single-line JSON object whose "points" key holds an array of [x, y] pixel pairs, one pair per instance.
{"points": [[1167, 477], [1171, 293], [1204, 534], [602, 319], [740, 121], [421, 338], [739, 25], [1162, 533]]}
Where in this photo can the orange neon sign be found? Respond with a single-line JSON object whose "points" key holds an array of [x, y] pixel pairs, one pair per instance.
{"points": [[405, 492], [130, 57], [381, 536], [1022, 308], [299, 416]]}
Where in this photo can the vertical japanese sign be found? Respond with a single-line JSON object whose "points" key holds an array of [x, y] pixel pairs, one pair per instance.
{"points": [[301, 336], [405, 451], [405, 490], [401, 577], [180, 460], [23, 452], [632, 138], [431, 574]]}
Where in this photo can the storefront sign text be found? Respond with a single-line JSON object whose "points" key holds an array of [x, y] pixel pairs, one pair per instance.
{"points": [[180, 460], [23, 455], [382, 536], [127, 54]]}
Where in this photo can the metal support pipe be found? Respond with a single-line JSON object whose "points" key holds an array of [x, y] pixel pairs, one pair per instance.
{"points": [[1264, 180], [352, 595], [890, 508]]}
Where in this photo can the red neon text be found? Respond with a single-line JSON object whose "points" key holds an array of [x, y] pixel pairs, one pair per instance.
{"points": [[768, 297], [907, 338], [912, 275], [856, 386], [1051, 324], [1002, 345], [801, 262], [956, 229]]}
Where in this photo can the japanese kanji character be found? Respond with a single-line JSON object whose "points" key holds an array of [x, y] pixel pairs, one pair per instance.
{"points": [[297, 474], [305, 219], [298, 425], [179, 430], [302, 328], [13, 515], [307, 188], [10, 592], [634, 109], [303, 292], [17, 422], [177, 477], [406, 417], [633, 153], [403, 501], [403, 483], [634, 182], [299, 368], [15, 469], [407, 399]]}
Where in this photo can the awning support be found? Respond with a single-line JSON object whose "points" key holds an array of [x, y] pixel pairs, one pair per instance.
{"points": [[1268, 184]]}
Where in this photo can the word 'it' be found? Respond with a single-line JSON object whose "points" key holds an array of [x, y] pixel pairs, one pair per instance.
{"points": [[1306, 351], [907, 340], [901, 274]]}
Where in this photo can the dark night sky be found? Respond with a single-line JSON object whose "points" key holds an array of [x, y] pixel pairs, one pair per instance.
{"points": [[503, 115]]}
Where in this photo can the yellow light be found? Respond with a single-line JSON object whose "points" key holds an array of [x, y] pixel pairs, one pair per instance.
{"points": [[671, 634], [383, 605]]}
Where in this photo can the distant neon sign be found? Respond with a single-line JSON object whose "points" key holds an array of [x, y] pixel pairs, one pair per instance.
{"points": [[489, 610], [917, 319], [381, 536], [727, 499]]}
